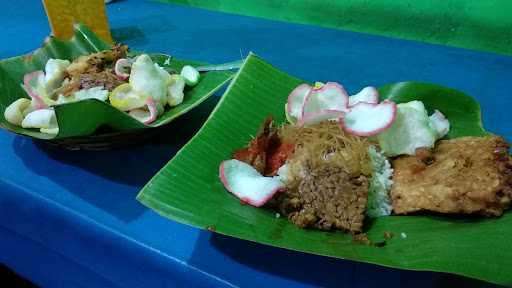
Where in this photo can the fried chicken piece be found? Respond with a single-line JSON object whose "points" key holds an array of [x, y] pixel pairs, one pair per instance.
{"points": [[464, 175]]}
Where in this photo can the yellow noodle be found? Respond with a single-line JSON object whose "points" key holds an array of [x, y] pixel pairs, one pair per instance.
{"points": [[326, 144]]}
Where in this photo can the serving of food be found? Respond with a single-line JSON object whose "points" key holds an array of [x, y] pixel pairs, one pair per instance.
{"points": [[341, 159], [135, 85], [403, 176], [85, 93]]}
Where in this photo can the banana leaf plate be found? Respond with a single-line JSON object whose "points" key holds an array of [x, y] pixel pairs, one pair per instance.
{"points": [[93, 124], [188, 189]]}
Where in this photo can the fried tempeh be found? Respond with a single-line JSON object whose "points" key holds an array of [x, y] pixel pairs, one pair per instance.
{"points": [[464, 175]]}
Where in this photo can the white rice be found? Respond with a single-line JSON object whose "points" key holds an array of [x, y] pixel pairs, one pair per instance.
{"points": [[379, 203]]}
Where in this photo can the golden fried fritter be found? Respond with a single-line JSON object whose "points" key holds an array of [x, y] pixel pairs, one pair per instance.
{"points": [[464, 175]]}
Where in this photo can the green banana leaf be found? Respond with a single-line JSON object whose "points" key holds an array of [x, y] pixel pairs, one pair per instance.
{"points": [[71, 116], [188, 189]]}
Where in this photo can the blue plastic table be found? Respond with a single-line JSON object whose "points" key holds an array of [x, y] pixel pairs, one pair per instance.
{"points": [[70, 219]]}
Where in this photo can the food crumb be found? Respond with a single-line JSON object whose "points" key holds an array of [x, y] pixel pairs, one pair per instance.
{"points": [[403, 235], [278, 215], [388, 235], [211, 228], [361, 238]]}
